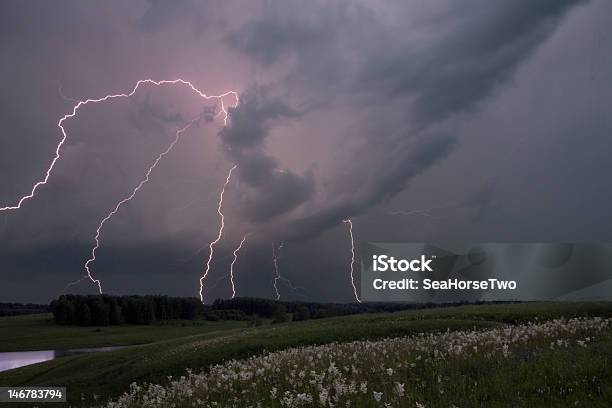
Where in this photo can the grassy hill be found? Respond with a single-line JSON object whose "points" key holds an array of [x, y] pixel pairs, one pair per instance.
{"points": [[174, 349], [38, 332]]}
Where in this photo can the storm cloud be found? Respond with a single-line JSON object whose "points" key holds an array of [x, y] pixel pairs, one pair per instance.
{"points": [[491, 114], [481, 46]]}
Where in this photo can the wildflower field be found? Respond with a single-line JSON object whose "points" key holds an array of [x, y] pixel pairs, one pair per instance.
{"points": [[531, 355], [562, 362]]}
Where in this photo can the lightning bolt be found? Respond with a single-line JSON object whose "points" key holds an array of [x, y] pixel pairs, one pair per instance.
{"points": [[233, 262], [277, 273], [277, 276], [81, 103], [223, 111], [118, 206], [300, 291], [350, 230], [214, 242]]}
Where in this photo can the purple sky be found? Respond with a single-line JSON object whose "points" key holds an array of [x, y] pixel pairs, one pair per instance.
{"points": [[492, 116]]}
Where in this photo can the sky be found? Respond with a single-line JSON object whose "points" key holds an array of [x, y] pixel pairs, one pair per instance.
{"points": [[472, 121]]}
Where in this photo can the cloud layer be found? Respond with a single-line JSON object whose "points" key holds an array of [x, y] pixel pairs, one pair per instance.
{"points": [[489, 115]]}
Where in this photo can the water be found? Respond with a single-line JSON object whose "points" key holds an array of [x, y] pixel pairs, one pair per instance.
{"points": [[16, 359]]}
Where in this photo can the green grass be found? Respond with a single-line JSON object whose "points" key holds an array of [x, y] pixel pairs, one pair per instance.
{"points": [[575, 376], [38, 332], [516, 312], [170, 353], [528, 374], [532, 376]]}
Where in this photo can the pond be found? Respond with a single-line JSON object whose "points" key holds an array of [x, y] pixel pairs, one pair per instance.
{"points": [[17, 359]]}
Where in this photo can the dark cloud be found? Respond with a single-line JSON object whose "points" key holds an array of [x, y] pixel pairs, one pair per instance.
{"points": [[390, 178], [282, 191], [281, 32], [487, 43], [326, 42], [474, 48], [251, 120], [482, 46], [348, 108], [162, 15], [272, 191]]}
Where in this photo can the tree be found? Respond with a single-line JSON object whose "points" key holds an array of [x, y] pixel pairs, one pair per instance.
{"points": [[100, 313], [280, 314], [84, 315], [63, 311], [301, 313], [190, 308], [115, 316]]}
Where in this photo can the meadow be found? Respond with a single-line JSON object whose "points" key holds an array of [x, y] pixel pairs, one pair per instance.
{"points": [[38, 332], [533, 370], [561, 362]]}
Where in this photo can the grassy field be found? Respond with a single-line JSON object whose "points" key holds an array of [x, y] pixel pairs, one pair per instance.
{"points": [[38, 332], [548, 364], [172, 350]]}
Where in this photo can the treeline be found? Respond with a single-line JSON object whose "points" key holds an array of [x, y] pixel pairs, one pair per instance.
{"points": [[17, 309], [268, 308], [104, 310]]}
